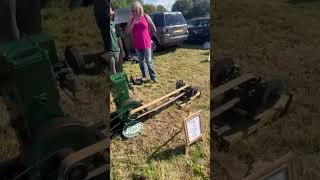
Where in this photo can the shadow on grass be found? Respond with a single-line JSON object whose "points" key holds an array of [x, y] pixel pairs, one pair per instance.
{"points": [[166, 50], [138, 177], [166, 154], [191, 46], [301, 1]]}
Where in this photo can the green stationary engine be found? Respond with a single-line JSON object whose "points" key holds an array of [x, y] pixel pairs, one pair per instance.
{"points": [[120, 93], [50, 141]]}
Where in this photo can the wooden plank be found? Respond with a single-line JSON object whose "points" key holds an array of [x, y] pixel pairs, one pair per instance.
{"points": [[231, 84], [225, 107], [157, 100]]}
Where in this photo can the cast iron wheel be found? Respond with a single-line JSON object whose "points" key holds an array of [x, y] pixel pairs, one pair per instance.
{"points": [[180, 84], [74, 59], [272, 92], [194, 91]]}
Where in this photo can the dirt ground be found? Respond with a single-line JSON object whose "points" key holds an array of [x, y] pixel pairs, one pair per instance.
{"points": [[276, 39]]}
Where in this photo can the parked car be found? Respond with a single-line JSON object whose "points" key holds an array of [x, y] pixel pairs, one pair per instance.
{"points": [[172, 29], [199, 30]]}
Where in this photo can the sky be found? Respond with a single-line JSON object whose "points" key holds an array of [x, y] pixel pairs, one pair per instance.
{"points": [[166, 3]]}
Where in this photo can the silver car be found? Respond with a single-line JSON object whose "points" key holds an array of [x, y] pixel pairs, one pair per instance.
{"points": [[172, 29]]}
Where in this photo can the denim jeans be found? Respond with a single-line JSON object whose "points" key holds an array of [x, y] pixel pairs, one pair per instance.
{"points": [[145, 61]]}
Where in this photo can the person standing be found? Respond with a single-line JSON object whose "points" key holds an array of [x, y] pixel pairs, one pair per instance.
{"points": [[140, 26], [112, 42], [116, 48]]}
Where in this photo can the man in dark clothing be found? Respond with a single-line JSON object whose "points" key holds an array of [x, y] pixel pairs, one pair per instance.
{"points": [[102, 16], [114, 53], [18, 18]]}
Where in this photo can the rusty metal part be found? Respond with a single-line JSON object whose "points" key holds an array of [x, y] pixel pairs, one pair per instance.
{"points": [[77, 160]]}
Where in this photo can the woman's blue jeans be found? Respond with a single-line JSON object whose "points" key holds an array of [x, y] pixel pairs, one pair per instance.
{"points": [[146, 62]]}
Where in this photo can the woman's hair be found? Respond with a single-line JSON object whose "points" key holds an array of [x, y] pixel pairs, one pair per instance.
{"points": [[136, 5]]}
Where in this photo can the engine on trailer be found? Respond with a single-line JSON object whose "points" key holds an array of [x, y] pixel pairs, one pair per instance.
{"points": [[242, 102], [130, 113]]}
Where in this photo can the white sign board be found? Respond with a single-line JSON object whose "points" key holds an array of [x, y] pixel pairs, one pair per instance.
{"points": [[194, 128]]}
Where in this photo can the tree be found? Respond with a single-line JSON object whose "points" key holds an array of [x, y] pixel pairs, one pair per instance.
{"points": [[149, 8], [161, 8], [200, 9], [123, 3], [183, 6]]}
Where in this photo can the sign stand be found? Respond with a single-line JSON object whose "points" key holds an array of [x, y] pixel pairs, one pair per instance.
{"points": [[193, 129]]}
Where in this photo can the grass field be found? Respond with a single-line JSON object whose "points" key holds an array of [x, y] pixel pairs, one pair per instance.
{"points": [[134, 158], [277, 39], [129, 158]]}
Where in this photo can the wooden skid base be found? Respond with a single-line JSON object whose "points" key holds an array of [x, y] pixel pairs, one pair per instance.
{"points": [[260, 120]]}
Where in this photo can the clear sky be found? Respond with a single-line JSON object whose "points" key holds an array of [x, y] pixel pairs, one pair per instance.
{"points": [[166, 3]]}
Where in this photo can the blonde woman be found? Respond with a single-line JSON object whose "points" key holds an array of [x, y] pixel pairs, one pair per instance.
{"points": [[139, 26]]}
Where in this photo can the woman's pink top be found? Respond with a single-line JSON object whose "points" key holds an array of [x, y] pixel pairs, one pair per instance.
{"points": [[141, 36]]}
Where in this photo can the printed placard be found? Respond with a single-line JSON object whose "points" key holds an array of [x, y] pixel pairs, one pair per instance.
{"points": [[193, 129]]}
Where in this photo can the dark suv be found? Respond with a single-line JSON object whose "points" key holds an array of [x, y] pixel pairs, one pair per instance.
{"points": [[199, 30], [172, 29]]}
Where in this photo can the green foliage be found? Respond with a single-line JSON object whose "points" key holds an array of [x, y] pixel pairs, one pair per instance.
{"points": [[148, 8], [161, 8], [191, 8], [200, 9], [123, 3], [183, 6]]}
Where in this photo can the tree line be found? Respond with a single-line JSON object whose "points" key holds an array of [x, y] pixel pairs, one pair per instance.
{"points": [[189, 8]]}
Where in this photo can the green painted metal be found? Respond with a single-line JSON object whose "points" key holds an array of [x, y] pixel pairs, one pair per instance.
{"points": [[29, 81], [120, 92]]}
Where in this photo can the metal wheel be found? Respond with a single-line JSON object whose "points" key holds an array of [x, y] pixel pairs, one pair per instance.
{"points": [[180, 84]]}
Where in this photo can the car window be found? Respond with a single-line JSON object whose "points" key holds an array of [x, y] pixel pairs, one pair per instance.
{"points": [[203, 23], [174, 19], [158, 20], [194, 23]]}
